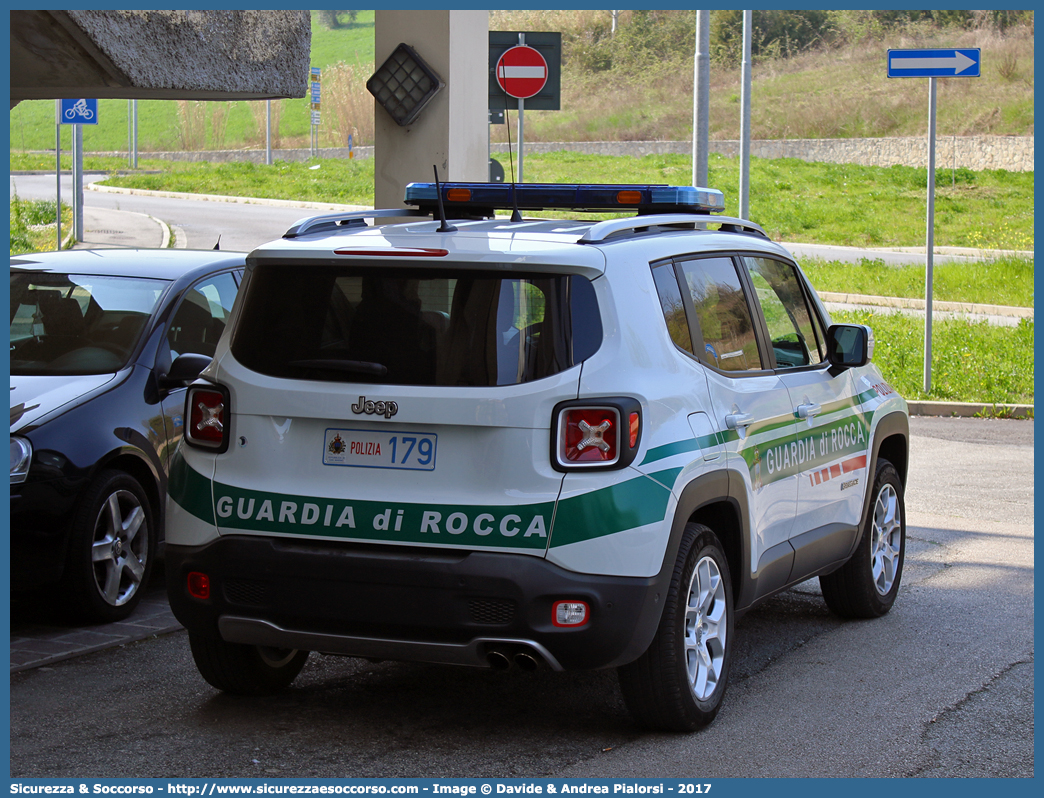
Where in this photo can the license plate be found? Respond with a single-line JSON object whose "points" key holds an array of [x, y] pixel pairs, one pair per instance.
{"points": [[414, 451]]}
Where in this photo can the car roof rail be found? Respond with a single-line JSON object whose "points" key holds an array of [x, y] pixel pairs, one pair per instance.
{"points": [[602, 231], [330, 222]]}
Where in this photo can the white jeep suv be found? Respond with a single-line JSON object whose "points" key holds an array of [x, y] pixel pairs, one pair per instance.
{"points": [[529, 443]]}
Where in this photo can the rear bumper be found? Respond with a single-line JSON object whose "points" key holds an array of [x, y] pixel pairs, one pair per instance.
{"points": [[481, 609]]}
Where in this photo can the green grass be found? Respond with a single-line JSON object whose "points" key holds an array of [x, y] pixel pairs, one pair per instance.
{"points": [[352, 43], [794, 201], [340, 181], [971, 361], [33, 225], [1002, 281]]}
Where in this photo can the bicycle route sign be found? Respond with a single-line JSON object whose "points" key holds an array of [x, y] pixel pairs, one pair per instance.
{"points": [[78, 112]]}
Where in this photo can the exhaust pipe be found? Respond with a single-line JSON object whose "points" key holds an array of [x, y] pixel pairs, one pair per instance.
{"points": [[498, 661], [526, 661]]}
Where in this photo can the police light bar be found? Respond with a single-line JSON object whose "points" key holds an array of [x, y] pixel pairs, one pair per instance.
{"points": [[482, 199]]}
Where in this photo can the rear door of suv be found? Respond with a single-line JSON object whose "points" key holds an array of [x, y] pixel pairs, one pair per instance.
{"points": [[390, 403]]}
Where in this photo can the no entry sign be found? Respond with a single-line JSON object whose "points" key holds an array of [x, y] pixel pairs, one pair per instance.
{"points": [[521, 72]]}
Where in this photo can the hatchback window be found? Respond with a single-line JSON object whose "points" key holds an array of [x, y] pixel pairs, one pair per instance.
{"points": [[410, 327], [77, 324], [201, 316]]}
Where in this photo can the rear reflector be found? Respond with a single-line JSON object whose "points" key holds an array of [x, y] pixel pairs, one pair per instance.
{"points": [[199, 585], [570, 613]]}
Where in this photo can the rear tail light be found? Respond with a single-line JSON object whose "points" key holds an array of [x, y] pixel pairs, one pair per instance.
{"points": [[598, 434], [207, 416], [570, 614]]}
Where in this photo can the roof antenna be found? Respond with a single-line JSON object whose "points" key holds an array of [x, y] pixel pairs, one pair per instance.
{"points": [[218, 244], [445, 227], [515, 215]]}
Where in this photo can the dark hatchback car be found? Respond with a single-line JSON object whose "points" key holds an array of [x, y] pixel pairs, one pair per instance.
{"points": [[103, 343]]}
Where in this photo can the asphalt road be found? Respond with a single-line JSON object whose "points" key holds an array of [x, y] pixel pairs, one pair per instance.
{"points": [[238, 226], [940, 687], [245, 226]]}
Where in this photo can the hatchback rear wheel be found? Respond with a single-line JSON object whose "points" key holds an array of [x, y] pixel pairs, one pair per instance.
{"points": [[111, 549]]}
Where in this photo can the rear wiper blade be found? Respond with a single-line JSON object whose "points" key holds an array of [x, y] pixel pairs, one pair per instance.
{"points": [[354, 366]]}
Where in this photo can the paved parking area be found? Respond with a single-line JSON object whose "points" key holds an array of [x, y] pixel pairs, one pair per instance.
{"points": [[39, 637]]}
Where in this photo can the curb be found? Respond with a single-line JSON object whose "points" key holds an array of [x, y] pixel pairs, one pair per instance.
{"points": [[920, 304], [277, 203], [969, 410], [167, 242]]}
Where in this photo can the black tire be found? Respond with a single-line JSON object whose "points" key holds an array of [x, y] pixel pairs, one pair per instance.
{"points": [[659, 688], [243, 669], [866, 586], [111, 549]]}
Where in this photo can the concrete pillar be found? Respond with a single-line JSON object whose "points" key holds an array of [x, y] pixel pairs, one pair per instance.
{"points": [[452, 130]]}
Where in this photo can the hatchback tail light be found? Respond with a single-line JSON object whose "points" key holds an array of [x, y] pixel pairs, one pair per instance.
{"points": [[207, 415], [598, 434]]}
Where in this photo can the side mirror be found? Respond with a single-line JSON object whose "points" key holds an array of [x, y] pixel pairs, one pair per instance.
{"points": [[849, 345], [184, 370]]}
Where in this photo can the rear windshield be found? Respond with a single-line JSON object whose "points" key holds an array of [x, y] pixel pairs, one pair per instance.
{"points": [[407, 327]]}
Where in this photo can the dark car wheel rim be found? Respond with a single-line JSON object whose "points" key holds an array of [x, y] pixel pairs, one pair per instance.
{"points": [[120, 548]]}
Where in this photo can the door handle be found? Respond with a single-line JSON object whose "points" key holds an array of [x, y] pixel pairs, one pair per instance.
{"points": [[738, 420], [808, 410]]}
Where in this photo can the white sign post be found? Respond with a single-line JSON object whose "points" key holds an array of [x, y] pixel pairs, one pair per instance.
{"points": [[316, 97], [75, 112], [521, 73], [931, 64]]}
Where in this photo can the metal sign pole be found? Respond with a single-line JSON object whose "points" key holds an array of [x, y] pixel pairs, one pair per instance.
{"points": [[134, 137], [77, 176], [58, 164], [521, 113], [268, 132], [701, 100], [744, 184], [930, 240]]}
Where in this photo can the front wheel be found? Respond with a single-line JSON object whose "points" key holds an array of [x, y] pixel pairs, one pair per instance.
{"points": [[866, 586], [244, 669], [679, 682]]}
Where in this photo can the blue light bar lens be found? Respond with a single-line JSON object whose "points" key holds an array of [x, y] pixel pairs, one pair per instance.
{"points": [[538, 196]]}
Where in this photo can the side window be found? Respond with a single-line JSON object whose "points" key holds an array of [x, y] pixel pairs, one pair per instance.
{"points": [[725, 320], [672, 305], [201, 316], [789, 322]]}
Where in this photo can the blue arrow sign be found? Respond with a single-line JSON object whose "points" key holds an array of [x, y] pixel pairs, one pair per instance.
{"points": [[78, 112], [933, 63]]}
